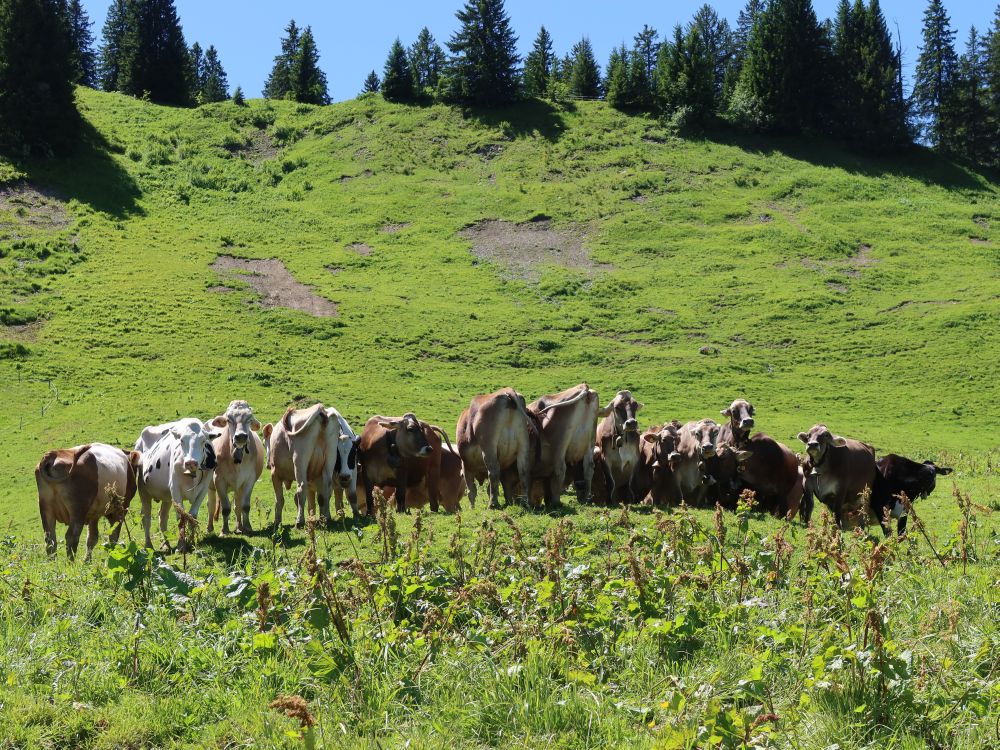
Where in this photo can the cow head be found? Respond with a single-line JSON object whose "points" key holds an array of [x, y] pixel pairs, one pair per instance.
{"points": [[195, 442], [347, 456], [241, 422], [740, 414], [409, 436], [922, 482], [705, 434], [818, 441], [664, 447], [623, 408]]}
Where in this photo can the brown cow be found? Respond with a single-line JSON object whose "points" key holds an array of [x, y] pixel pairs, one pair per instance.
{"points": [[839, 472], [696, 445], [452, 484], [494, 434], [654, 480], [772, 471], [568, 426], [723, 469], [616, 454], [76, 486], [401, 452], [736, 431]]}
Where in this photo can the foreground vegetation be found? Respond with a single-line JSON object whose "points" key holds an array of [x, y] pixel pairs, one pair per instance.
{"points": [[821, 285]]}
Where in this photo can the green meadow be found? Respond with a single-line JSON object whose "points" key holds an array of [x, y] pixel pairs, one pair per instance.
{"points": [[453, 253]]}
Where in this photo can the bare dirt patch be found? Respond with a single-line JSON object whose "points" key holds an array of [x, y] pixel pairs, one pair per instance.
{"points": [[908, 302], [349, 177], [259, 148], [26, 332], [33, 206], [979, 241], [395, 228], [275, 285], [489, 152], [981, 221], [360, 248], [523, 250]]}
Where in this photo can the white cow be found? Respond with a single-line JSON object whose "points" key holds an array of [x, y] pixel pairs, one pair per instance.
{"points": [[178, 463], [318, 450], [239, 454]]}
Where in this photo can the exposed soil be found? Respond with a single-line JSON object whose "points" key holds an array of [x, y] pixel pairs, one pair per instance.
{"points": [[33, 206], [260, 148], [360, 248], [523, 250], [907, 302], [489, 152], [982, 221], [979, 241], [349, 177], [26, 332], [275, 285], [395, 228]]}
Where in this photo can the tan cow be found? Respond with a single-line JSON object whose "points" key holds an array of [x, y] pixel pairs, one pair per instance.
{"points": [[239, 454], [76, 486], [316, 449], [616, 455], [452, 484], [493, 434], [654, 479], [840, 472], [401, 452], [696, 446], [568, 422]]}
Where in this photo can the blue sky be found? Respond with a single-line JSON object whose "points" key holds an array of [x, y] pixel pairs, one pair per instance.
{"points": [[354, 37]]}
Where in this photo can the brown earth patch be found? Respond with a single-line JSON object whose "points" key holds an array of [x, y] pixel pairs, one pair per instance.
{"points": [[395, 228], [908, 302], [979, 241], [276, 286], [842, 288], [220, 289], [260, 148], [489, 152], [661, 311], [27, 332], [33, 206], [639, 198], [360, 248], [523, 250], [349, 177], [982, 221]]}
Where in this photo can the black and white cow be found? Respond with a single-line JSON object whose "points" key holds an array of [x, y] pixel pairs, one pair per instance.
{"points": [[898, 475]]}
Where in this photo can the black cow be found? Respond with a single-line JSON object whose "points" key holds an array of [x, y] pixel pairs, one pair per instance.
{"points": [[898, 475]]}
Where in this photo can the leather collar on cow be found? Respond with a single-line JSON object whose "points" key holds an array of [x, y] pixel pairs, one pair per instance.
{"points": [[392, 450]]}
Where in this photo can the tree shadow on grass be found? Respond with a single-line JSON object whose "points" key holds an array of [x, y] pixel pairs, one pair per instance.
{"points": [[525, 119], [90, 175], [918, 163]]}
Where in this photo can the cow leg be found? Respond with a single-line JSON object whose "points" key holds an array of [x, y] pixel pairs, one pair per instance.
{"points": [[324, 503], [93, 535], [472, 486], [279, 500], [116, 530], [401, 490], [242, 499], [227, 508], [164, 519], [583, 490], [369, 496], [806, 508], [49, 529], [338, 498], [73, 537], [213, 502], [352, 495], [555, 486], [524, 474], [147, 512], [304, 495], [493, 472], [609, 482], [901, 525]]}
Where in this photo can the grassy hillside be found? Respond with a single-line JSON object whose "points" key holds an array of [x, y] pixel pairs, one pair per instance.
{"points": [[449, 255]]}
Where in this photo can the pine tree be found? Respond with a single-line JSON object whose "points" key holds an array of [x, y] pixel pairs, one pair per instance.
{"points": [[214, 81], [484, 63], [279, 82], [37, 110], [992, 64], [685, 79], [646, 48], [782, 85], [585, 81], [81, 40], [113, 37], [934, 81], [308, 81], [371, 84], [971, 137], [238, 99], [744, 28], [718, 39], [397, 81], [155, 59], [617, 79], [197, 72], [538, 65], [426, 59]]}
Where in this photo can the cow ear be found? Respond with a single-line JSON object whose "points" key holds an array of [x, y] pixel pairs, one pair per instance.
{"points": [[209, 432], [803, 437], [219, 421], [752, 410], [389, 425], [726, 412], [650, 437], [175, 433], [135, 458], [838, 442], [943, 470], [605, 410], [255, 425], [268, 429], [639, 405]]}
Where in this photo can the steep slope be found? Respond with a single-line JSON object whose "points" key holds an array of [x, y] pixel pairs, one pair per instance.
{"points": [[823, 286]]}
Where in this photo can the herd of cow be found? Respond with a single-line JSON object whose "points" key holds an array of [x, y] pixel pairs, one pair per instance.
{"points": [[532, 451]]}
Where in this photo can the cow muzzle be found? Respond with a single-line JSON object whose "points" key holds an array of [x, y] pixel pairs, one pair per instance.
{"points": [[746, 424], [631, 426], [708, 451], [191, 467], [425, 451], [345, 478]]}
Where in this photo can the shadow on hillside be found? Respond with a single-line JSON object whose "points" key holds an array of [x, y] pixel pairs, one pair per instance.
{"points": [[919, 163], [521, 120], [91, 176]]}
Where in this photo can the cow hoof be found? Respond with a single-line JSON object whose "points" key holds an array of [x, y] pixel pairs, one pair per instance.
{"points": [[494, 506], [165, 548]]}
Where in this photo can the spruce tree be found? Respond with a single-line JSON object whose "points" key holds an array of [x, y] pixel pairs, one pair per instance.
{"points": [[155, 59], [196, 73], [279, 82], [308, 81], [992, 64], [647, 47], [37, 111], [782, 88], [744, 28], [685, 79], [971, 137], [484, 55], [538, 65], [214, 81], [238, 99], [585, 81], [81, 41], [617, 79], [113, 41], [371, 84], [934, 81], [426, 59], [397, 81], [718, 40]]}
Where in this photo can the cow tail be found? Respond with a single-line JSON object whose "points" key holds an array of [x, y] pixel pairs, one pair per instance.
{"points": [[443, 434], [534, 426], [286, 420]]}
